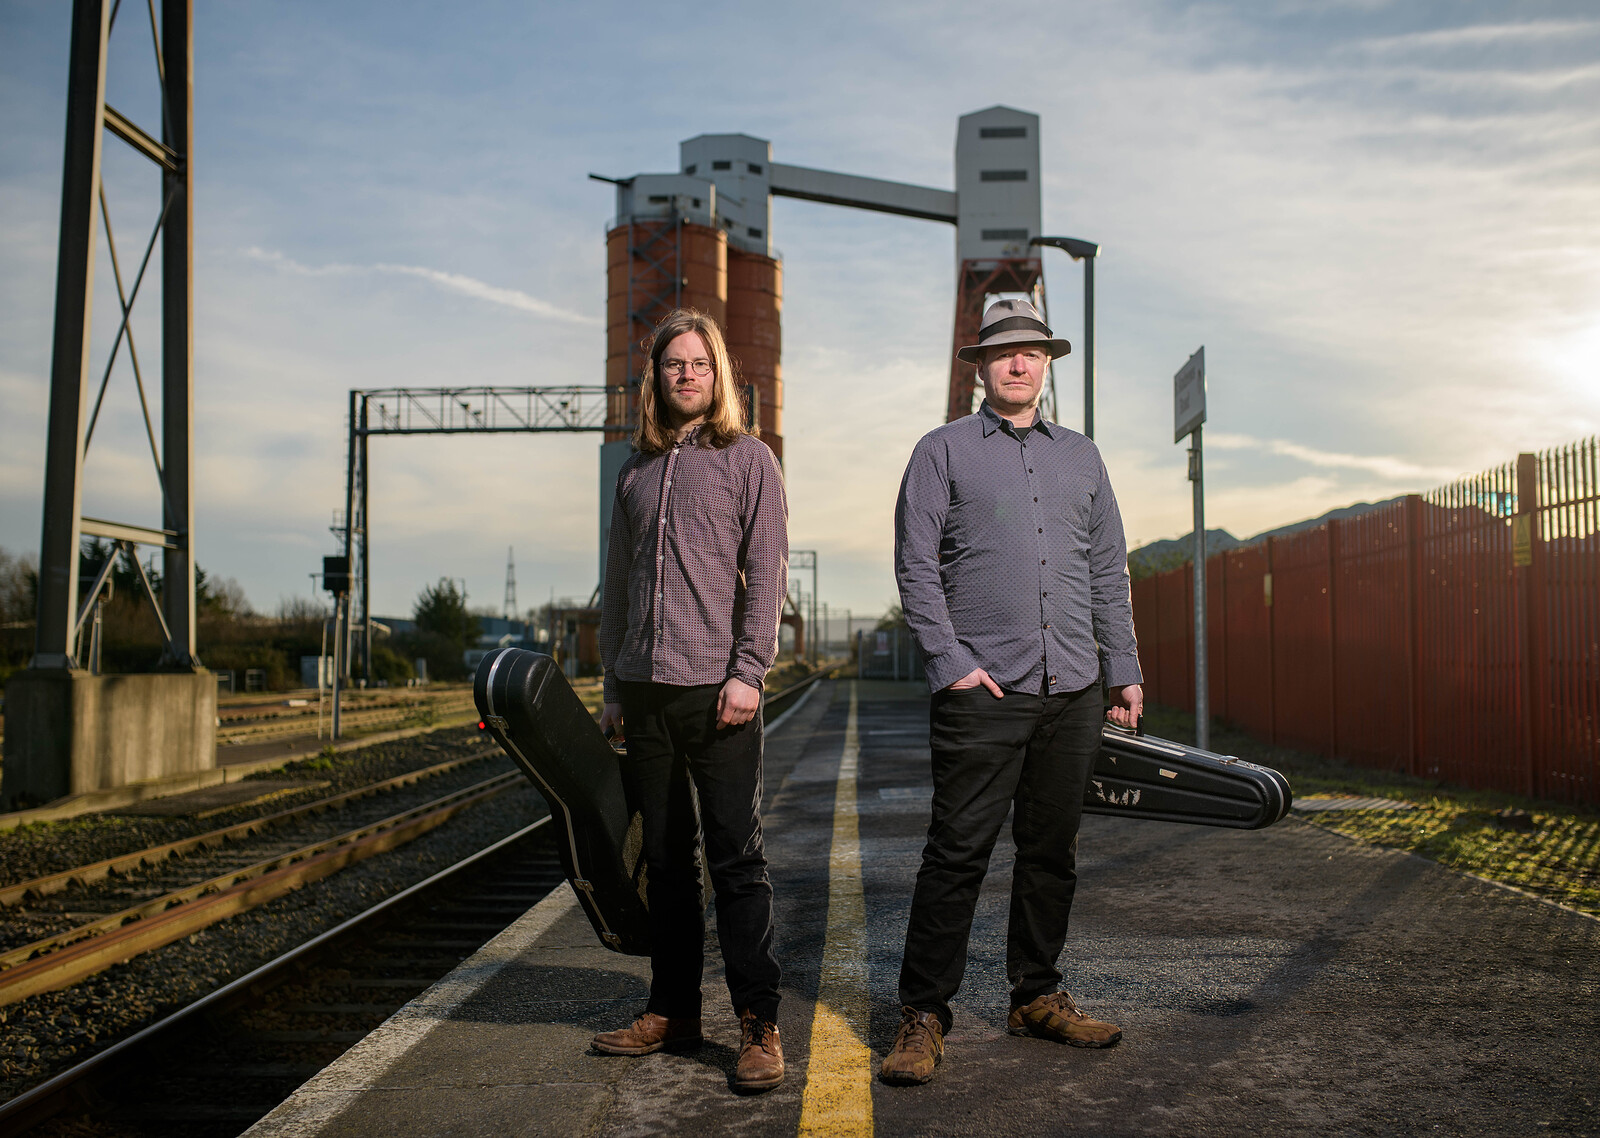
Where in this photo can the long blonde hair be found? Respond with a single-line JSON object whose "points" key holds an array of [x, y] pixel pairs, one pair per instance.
{"points": [[725, 421]]}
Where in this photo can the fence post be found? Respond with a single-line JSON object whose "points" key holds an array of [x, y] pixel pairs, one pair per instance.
{"points": [[1272, 649], [1333, 639], [1527, 565], [1412, 567], [1152, 607], [1220, 623]]}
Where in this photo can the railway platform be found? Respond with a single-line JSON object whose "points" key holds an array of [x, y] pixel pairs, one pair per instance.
{"points": [[1280, 981]]}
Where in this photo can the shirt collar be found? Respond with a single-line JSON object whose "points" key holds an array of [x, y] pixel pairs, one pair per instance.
{"points": [[992, 422]]}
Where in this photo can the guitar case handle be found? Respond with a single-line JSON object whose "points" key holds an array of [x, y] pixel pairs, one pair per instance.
{"points": [[1137, 730]]}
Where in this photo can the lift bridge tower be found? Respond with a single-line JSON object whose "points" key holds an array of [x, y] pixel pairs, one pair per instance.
{"points": [[702, 237]]}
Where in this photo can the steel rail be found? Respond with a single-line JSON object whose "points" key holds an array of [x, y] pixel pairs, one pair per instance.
{"points": [[48, 1098], [244, 714], [67, 958], [778, 702], [246, 732], [97, 871]]}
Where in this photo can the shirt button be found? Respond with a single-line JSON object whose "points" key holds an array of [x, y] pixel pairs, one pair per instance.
{"points": [[1052, 679], [1036, 499], [1041, 560], [1041, 529], [1030, 470]]}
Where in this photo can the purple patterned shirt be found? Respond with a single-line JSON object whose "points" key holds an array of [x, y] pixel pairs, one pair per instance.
{"points": [[1010, 556], [697, 566]]}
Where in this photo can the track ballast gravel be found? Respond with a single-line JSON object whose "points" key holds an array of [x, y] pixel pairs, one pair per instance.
{"points": [[45, 1034]]}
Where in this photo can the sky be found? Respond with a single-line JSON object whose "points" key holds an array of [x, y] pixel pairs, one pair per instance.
{"points": [[1382, 221]]}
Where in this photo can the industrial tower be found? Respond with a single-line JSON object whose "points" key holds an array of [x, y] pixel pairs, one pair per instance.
{"points": [[702, 237]]}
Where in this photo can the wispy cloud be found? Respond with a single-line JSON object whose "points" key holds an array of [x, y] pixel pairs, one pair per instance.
{"points": [[451, 282], [1479, 35], [1382, 465]]}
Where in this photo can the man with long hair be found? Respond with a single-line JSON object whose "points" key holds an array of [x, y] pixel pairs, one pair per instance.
{"points": [[696, 571], [1013, 574]]}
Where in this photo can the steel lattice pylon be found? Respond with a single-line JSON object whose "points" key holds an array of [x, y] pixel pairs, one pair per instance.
{"points": [[61, 612]]}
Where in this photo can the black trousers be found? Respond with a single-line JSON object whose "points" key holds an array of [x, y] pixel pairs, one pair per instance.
{"points": [[677, 761], [1035, 751]]}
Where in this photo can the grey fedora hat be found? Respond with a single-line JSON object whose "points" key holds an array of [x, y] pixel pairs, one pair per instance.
{"points": [[1013, 322]]}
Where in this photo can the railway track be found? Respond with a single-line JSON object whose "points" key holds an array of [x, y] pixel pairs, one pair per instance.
{"points": [[68, 957], [242, 726], [39, 887], [106, 913], [224, 1061]]}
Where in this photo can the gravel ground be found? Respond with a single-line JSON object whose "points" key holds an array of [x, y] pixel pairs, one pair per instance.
{"points": [[50, 847], [45, 1034]]}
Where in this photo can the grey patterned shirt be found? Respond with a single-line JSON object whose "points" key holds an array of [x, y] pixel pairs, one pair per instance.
{"points": [[1010, 556], [697, 566]]}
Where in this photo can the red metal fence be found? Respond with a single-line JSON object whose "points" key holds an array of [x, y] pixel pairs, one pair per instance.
{"points": [[1454, 634]]}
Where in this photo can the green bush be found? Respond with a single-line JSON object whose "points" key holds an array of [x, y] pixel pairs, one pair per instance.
{"points": [[391, 667]]}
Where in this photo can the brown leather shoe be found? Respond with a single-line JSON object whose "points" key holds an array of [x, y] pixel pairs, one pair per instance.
{"points": [[917, 1050], [648, 1033], [760, 1066], [1056, 1017]]}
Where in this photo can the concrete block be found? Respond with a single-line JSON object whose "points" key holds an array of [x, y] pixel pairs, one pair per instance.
{"points": [[70, 732]]}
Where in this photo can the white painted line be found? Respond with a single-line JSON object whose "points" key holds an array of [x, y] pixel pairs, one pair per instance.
{"points": [[309, 1110]]}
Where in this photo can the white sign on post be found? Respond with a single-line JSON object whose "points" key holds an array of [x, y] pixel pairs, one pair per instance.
{"points": [[1189, 396]]}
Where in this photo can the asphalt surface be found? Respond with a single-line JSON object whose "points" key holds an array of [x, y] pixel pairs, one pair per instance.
{"points": [[1283, 981]]}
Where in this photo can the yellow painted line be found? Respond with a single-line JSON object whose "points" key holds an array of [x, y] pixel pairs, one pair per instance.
{"points": [[838, 1094]]}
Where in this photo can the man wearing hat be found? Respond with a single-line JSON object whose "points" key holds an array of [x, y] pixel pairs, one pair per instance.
{"points": [[1013, 574]]}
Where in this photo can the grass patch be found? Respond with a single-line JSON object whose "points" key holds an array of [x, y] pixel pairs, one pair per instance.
{"points": [[1548, 848]]}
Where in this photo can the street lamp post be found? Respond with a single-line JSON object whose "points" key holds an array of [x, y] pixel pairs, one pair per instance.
{"points": [[1085, 251]]}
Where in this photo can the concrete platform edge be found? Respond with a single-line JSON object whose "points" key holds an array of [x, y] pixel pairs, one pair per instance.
{"points": [[328, 1092]]}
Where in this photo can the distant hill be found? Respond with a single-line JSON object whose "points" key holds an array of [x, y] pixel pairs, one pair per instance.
{"points": [[1160, 556]]}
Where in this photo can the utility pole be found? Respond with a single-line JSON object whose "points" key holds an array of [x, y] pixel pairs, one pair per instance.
{"points": [[336, 580], [511, 585], [801, 560], [1189, 412]]}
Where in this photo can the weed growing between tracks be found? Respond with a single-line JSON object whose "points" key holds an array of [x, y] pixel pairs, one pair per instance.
{"points": [[1548, 848]]}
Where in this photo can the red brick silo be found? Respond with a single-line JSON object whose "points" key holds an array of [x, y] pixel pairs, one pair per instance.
{"points": [[755, 335], [652, 267]]}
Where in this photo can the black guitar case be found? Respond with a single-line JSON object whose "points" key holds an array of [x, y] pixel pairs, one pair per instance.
{"points": [[535, 715], [1139, 776]]}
